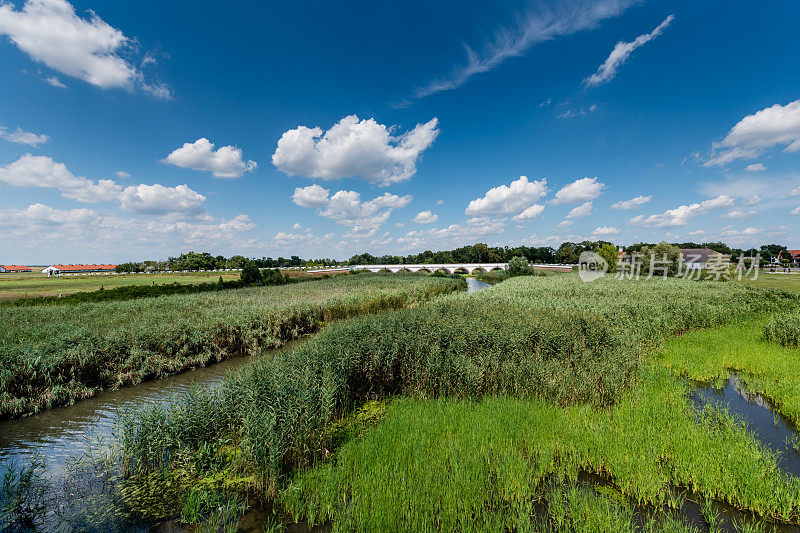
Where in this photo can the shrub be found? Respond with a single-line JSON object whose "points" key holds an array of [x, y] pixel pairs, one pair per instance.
{"points": [[273, 276], [251, 274], [610, 254]]}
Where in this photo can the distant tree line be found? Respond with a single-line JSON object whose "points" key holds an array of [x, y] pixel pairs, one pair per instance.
{"points": [[206, 261], [567, 253]]}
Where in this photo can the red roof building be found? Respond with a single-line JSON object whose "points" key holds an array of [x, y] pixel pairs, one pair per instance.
{"points": [[792, 255], [14, 268], [58, 269]]}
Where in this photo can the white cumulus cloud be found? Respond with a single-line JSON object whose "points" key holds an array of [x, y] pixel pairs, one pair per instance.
{"points": [[40, 214], [583, 210], [346, 208], [755, 167], [605, 230], [311, 196], [743, 232], [532, 212], [52, 33], [753, 199], [354, 147], [160, 200], [580, 190], [739, 213], [425, 217], [506, 200], [225, 162], [632, 203], [55, 82], [620, 54], [681, 214], [41, 171], [755, 134], [21, 136], [795, 211]]}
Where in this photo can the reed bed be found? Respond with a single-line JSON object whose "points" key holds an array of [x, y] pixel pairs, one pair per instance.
{"points": [[784, 329], [56, 354], [553, 339]]}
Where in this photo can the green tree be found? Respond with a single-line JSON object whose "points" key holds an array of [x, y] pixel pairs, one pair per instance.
{"points": [[609, 252], [660, 257], [251, 274], [519, 266], [567, 253]]}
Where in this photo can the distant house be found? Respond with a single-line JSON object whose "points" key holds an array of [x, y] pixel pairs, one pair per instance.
{"points": [[696, 258], [55, 270], [793, 256], [14, 268]]}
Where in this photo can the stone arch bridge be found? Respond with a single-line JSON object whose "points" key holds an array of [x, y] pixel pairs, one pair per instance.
{"points": [[450, 268]]}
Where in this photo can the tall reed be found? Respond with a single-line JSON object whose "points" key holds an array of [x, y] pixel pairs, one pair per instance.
{"points": [[551, 338], [56, 354]]}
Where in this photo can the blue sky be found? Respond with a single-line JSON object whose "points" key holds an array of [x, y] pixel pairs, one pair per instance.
{"points": [[132, 130]]}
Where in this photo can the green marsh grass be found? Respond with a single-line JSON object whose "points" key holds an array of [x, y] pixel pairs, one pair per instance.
{"points": [[56, 354], [496, 393], [486, 465], [765, 367], [552, 338]]}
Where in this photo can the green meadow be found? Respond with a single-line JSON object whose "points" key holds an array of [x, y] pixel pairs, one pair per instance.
{"points": [[35, 285]]}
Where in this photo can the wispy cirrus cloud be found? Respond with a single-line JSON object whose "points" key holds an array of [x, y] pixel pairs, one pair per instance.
{"points": [[621, 53], [543, 21]]}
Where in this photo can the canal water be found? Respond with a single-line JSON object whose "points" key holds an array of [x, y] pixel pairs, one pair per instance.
{"points": [[770, 428], [474, 285], [56, 435]]}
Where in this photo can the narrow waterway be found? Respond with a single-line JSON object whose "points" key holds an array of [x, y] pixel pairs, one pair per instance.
{"points": [[770, 428], [474, 285], [56, 435]]}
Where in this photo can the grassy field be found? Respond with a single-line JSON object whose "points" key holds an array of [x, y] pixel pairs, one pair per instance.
{"points": [[490, 408], [25, 285], [786, 282], [51, 355]]}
